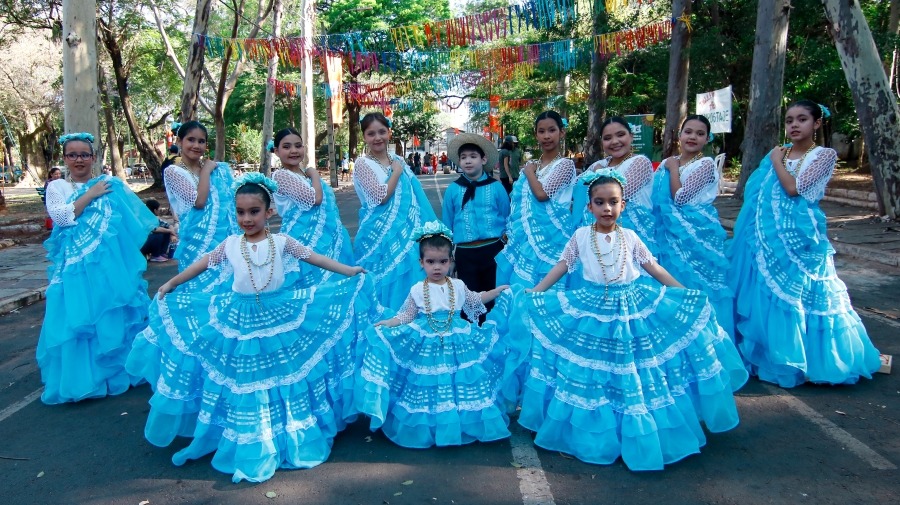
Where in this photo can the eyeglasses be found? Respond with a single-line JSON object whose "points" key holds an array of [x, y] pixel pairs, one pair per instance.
{"points": [[79, 156]]}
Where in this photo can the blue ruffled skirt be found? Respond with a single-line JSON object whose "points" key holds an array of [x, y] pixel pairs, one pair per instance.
{"points": [[632, 376], [537, 233], [97, 297], [320, 229], [201, 230], [423, 390], [690, 244], [795, 322], [384, 244], [264, 385]]}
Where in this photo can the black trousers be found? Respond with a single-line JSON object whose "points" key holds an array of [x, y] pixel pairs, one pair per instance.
{"points": [[157, 244], [507, 184], [476, 267]]}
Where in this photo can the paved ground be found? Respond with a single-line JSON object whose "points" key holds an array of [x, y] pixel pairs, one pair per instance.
{"points": [[816, 445]]}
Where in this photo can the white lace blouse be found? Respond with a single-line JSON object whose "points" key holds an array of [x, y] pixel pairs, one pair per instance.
{"points": [[557, 179], [464, 300], [293, 189], [60, 210], [580, 247], [699, 183], [258, 254], [638, 172], [370, 179], [817, 169]]}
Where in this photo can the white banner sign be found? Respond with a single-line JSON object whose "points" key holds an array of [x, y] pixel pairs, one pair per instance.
{"points": [[716, 106]]}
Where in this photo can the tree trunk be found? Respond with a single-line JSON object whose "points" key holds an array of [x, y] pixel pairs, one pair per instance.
{"points": [[80, 68], [764, 124], [194, 72], [144, 145], [597, 82], [894, 31], [307, 114], [112, 139], [679, 66], [269, 114], [875, 103]]}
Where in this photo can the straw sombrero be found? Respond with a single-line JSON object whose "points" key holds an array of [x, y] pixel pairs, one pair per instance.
{"points": [[490, 151]]}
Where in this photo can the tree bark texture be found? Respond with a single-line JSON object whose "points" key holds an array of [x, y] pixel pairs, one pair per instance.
{"points": [[112, 139], [269, 113], [190, 93], [875, 103], [597, 83], [149, 154], [170, 52], [764, 118], [80, 69], [679, 68], [307, 114]]}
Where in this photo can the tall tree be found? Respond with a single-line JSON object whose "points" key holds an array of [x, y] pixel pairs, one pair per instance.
{"points": [[766, 85], [875, 102], [597, 86], [272, 73], [112, 138], [679, 66], [80, 67], [190, 94]]}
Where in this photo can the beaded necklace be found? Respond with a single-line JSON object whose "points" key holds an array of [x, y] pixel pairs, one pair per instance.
{"points": [[191, 171], [387, 168], [623, 250], [542, 167], [619, 164], [439, 327], [787, 153], [270, 260], [695, 158]]}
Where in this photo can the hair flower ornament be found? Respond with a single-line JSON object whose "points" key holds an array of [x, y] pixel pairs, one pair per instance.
{"points": [[711, 137], [256, 178], [270, 146], [826, 113], [82, 136], [175, 127], [565, 123], [588, 178], [432, 229]]}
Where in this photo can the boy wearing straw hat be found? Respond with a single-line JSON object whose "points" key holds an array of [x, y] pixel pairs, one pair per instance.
{"points": [[475, 207]]}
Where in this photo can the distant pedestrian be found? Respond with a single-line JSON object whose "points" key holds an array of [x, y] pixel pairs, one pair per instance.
{"points": [[793, 317], [97, 297]]}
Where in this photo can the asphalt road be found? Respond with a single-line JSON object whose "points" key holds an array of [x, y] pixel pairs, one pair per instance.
{"points": [[812, 444]]}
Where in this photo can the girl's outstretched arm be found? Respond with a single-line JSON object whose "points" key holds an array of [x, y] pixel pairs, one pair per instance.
{"points": [[661, 274], [196, 268], [552, 276], [488, 296], [330, 264]]}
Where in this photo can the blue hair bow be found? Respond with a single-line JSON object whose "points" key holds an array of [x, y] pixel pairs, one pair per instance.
{"points": [[82, 136]]}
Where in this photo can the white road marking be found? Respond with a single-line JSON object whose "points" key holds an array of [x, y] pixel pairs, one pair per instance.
{"points": [[863, 451], [533, 483], [436, 188], [21, 404]]}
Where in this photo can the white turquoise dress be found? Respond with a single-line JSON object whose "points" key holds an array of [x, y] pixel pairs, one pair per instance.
{"points": [[794, 319], [689, 237], [317, 226], [200, 230], [424, 387], [638, 213], [264, 380], [383, 244], [627, 370], [97, 296], [537, 231]]}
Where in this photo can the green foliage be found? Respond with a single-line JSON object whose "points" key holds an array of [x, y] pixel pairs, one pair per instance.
{"points": [[424, 125], [245, 143]]}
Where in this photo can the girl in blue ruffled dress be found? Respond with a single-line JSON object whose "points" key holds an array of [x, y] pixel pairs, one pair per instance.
{"points": [[623, 366], [97, 297], [794, 319], [428, 376], [689, 237], [308, 208], [616, 138], [392, 205], [276, 367], [200, 196], [540, 219]]}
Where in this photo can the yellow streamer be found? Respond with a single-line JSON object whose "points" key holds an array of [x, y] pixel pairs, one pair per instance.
{"points": [[686, 19]]}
